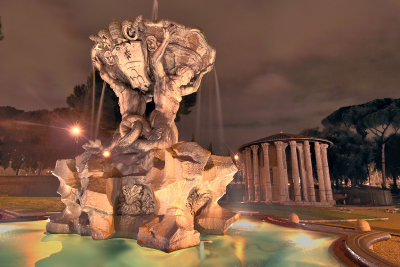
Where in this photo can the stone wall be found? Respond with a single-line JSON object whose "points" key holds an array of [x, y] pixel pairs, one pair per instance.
{"points": [[29, 186], [368, 196]]}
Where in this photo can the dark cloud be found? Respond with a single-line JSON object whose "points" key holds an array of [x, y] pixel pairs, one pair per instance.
{"points": [[282, 65]]}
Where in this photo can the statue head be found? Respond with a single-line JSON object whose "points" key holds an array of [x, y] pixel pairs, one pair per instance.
{"points": [[151, 43], [106, 39], [115, 29]]}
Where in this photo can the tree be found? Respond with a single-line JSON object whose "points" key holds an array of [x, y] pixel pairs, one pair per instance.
{"points": [[379, 119], [80, 102], [185, 106], [392, 159], [349, 156], [34, 140], [1, 34]]}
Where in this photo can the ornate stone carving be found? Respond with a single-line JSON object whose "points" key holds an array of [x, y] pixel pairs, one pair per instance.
{"points": [[197, 200], [146, 61], [135, 200], [151, 187]]}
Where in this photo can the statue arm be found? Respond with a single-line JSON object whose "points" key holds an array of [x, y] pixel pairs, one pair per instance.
{"points": [[191, 89], [156, 58]]}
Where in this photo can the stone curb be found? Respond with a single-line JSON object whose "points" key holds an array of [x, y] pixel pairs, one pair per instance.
{"points": [[343, 220], [358, 245]]}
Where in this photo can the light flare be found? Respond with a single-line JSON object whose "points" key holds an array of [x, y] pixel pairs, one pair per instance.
{"points": [[76, 130], [305, 241], [239, 244], [244, 225]]}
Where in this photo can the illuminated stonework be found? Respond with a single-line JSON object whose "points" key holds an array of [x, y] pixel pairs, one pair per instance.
{"points": [[279, 169], [145, 184]]}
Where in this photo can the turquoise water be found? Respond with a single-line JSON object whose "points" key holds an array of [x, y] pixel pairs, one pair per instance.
{"points": [[246, 244]]}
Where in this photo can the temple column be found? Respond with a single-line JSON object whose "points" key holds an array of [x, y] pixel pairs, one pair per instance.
{"points": [[303, 175], [325, 168], [266, 177], [285, 171], [256, 173], [295, 171], [250, 183], [244, 175], [309, 172], [282, 191], [320, 173]]}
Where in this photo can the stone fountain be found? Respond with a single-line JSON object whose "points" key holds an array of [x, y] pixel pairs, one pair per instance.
{"points": [[146, 185]]}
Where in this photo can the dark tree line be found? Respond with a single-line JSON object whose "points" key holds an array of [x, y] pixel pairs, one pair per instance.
{"points": [[363, 134], [34, 140], [1, 34]]}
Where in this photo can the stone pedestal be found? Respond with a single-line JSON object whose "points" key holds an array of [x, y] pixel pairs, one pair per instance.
{"points": [[164, 198]]}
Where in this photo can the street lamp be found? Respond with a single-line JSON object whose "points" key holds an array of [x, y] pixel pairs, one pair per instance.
{"points": [[76, 132], [106, 153]]}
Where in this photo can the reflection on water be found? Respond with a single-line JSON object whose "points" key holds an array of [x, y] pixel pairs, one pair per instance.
{"points": [[20, 244], [246, 244]]}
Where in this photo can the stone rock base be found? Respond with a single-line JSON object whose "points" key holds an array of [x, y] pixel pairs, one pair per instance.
{"points": [[167, 234], [164, 198], [215, 220]]}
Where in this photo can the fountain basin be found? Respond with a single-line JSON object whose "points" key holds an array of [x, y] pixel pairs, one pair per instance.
{"points": [[245, 244]]}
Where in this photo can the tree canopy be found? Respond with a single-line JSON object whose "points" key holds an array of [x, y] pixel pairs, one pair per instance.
{"points": [[376, 121], [1, 34], [34, 140]]}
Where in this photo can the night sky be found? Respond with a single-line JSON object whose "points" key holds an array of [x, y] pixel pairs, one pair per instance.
{"points": [[282, 65]]}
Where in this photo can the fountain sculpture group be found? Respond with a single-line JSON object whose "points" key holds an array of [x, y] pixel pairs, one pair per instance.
{"points": [[152, 188]]}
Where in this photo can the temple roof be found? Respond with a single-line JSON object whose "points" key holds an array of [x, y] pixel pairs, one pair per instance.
{"points": [[286, 137]]}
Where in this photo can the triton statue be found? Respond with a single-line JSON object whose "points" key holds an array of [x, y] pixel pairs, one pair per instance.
{"points": [[152, 188]]}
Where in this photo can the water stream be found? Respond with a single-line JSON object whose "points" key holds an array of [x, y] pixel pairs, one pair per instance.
{"points": [[154, 13], [93, 103], [99, 111], [209, 130], [220, 122]]}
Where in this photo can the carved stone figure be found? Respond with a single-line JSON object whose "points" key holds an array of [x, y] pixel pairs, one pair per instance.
{"points": [[143, 61], [135, 200], [153, 188]]}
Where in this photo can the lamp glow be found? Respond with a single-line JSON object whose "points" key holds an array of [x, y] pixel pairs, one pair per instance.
{"points": [[236, 157], [76, 130], [106, 153]]}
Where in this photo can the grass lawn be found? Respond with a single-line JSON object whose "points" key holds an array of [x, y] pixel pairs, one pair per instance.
{"points": [[46, 204], [304, 213], [31, 204]]}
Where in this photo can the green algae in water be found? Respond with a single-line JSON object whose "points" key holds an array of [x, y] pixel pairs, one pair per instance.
{"points": [[246, 244]]}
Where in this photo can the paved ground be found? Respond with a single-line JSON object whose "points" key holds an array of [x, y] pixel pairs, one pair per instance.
{"points": [[389, 250]]}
